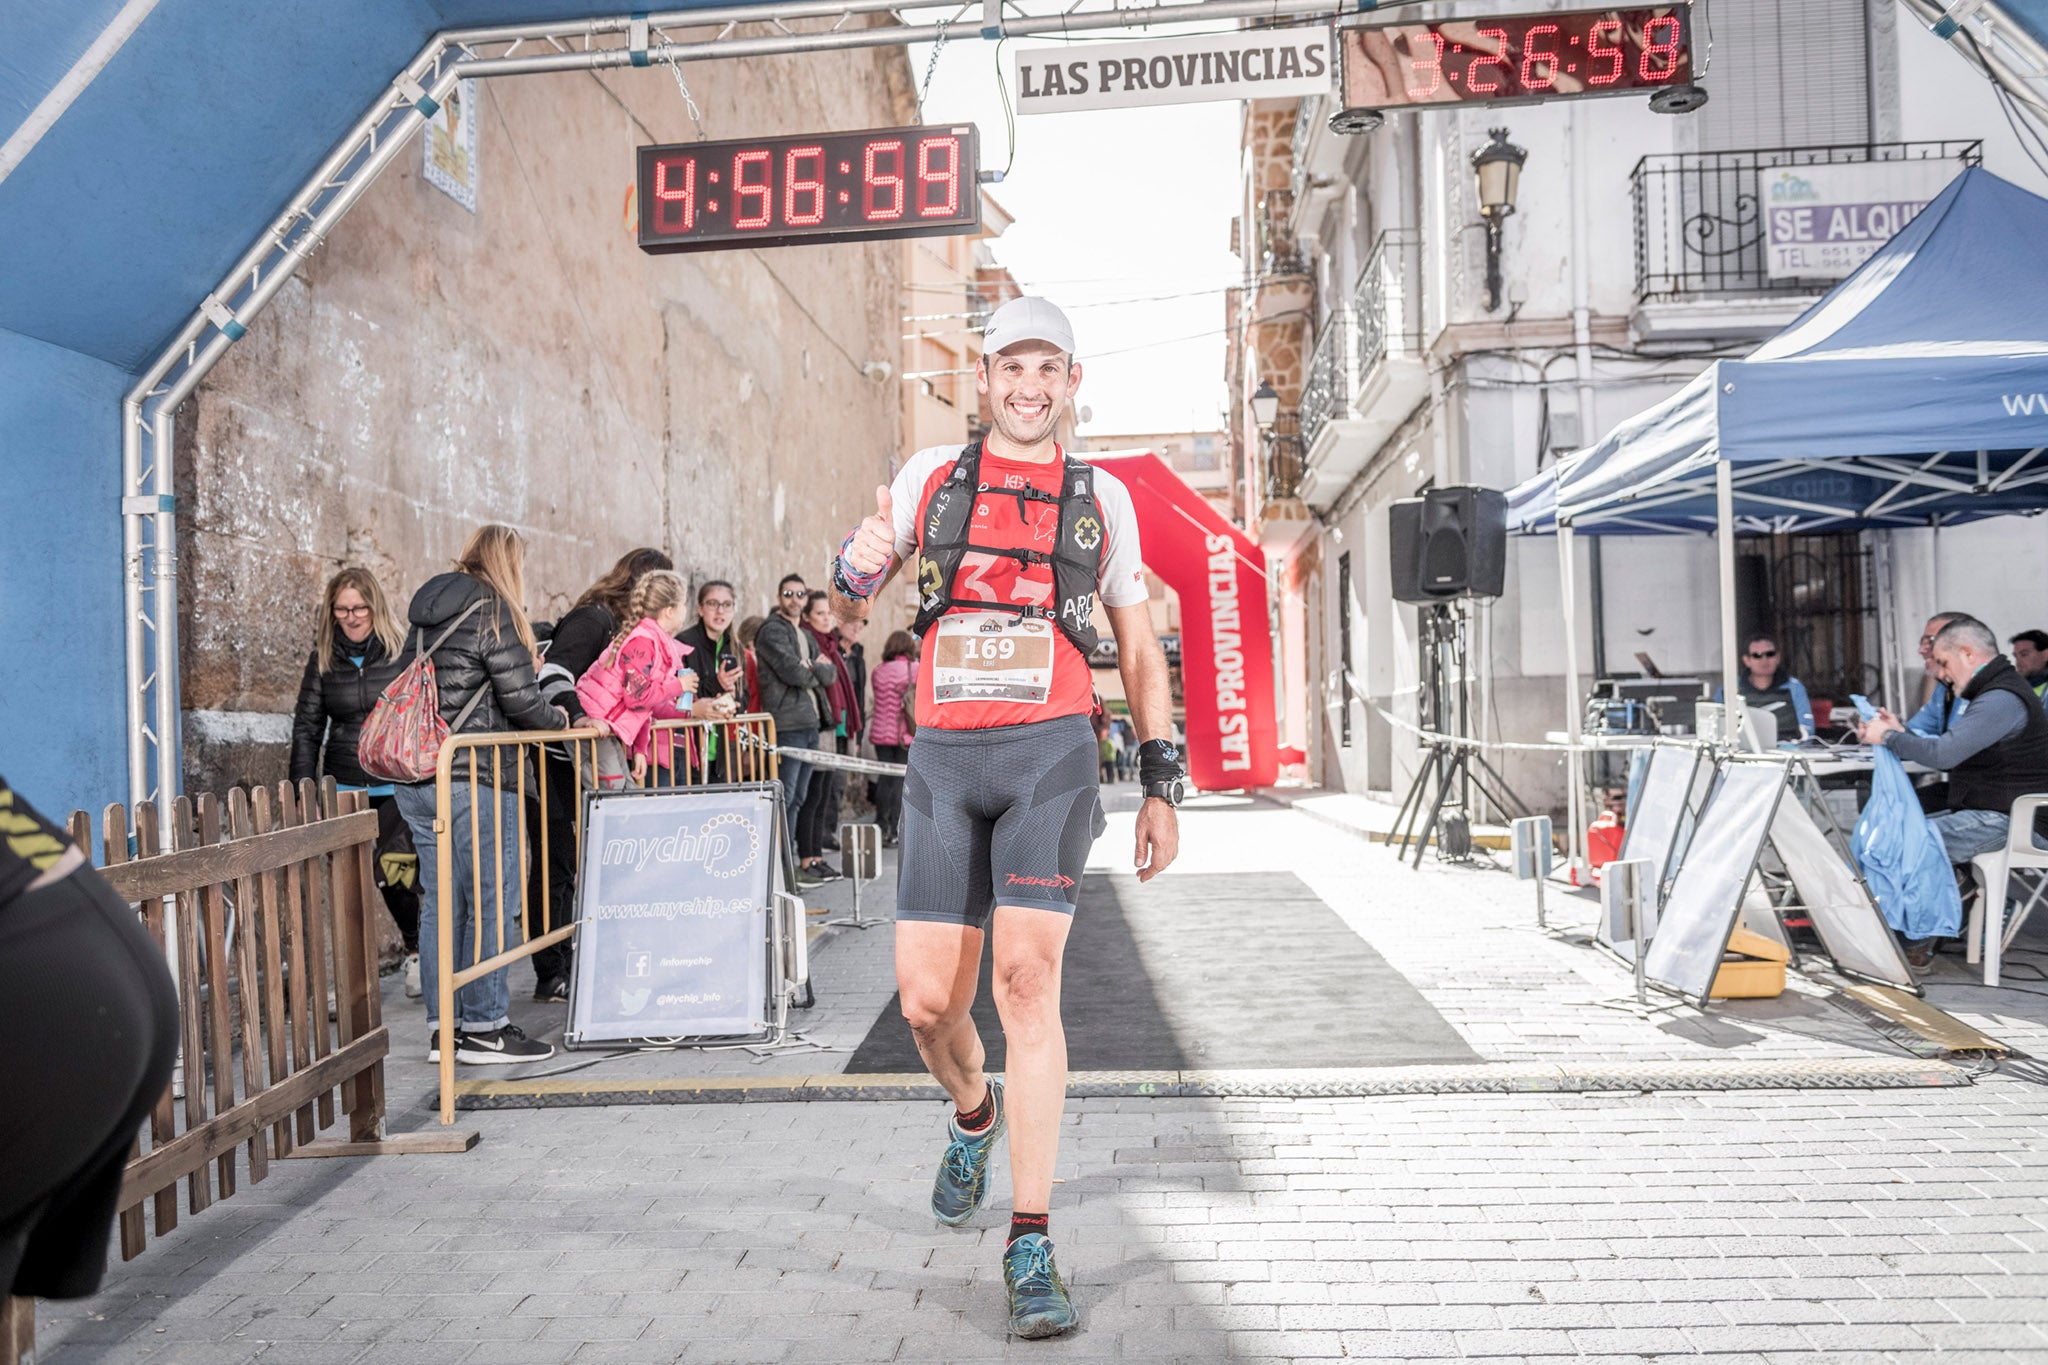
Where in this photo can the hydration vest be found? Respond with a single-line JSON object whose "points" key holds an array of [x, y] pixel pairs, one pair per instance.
{"points": [[1076, 556]]}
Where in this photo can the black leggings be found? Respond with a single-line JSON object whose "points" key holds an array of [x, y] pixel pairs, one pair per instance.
{"points": [[558, 869], [91, 1023], [818, 818], [402, 901], [888, 791]]}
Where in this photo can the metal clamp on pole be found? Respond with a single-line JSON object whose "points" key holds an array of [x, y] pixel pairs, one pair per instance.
{"points": [[416, 94], [223, 317], [860, 858], [1529, 847], [1625, 905]]}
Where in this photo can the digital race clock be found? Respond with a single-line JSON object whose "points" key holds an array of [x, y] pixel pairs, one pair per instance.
{"points": [[824, 187], [1518, 58]]}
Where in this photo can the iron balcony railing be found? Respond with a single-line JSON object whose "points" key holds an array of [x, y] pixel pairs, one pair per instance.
{"points": [[1327, 394], [1700, 216], [1387, 302], [1284, 451], [1306, 113], [1279, 247]]}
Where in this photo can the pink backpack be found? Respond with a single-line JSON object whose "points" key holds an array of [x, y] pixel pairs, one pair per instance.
{"points": [[402, 739]]}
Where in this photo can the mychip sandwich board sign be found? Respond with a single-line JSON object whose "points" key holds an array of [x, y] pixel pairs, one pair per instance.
{"points": [[673, 939]]}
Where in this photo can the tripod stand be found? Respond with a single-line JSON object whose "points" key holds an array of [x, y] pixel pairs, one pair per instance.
{"points": [[1452, 765]]}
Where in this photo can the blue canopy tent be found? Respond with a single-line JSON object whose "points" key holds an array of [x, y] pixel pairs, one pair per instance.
{"points": [[1915, 393]]}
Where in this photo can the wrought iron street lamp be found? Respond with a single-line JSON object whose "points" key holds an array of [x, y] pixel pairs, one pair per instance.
{"points": [[1265, 406], [1498, 166]]}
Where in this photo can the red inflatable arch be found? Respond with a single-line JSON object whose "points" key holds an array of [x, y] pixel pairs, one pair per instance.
{"points": [[1226, 641]]}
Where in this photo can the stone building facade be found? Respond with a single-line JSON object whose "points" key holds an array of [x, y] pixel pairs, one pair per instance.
{"points": [[433, 368]]}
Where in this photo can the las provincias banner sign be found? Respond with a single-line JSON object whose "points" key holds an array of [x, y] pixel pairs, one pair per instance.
{"points": [[1248, 65], [1226, 643]]}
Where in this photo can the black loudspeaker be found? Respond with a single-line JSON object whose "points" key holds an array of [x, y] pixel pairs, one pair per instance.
{"points": [[1450, 542]]}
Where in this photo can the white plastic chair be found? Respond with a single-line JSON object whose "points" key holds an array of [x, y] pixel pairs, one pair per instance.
{"points": [[1994, 881]]}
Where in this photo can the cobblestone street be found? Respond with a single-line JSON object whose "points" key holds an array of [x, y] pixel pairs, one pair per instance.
{"points": [[1761, 1225]]}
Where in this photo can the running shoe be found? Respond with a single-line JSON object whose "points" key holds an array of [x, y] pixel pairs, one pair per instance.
{"points": [[1039, 1306], [507, 1046], [962, 1182]]}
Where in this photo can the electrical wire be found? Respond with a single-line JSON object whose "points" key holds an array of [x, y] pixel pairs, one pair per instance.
{"points": [[2031, 141], [1076, 304], [1291, 315], [1009, 111]]}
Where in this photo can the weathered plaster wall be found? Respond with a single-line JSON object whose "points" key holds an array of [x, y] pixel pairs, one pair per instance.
{"points": [[429, 370]]}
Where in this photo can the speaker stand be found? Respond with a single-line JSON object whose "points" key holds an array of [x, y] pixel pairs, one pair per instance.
{"points": [[1452, 766]]}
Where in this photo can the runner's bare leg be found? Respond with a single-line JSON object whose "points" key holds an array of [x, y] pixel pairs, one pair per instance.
{"points": [[937, 969], [1029, 946]]}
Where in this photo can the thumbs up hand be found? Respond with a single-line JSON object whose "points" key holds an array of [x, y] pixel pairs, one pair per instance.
{"points": [[868, 550]]}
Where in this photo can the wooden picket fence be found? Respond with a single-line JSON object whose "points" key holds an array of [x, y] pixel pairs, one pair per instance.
{"points": [[266, 924]]}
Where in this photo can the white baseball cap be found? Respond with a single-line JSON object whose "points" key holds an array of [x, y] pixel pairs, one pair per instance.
{"points": [[1027, 319]]}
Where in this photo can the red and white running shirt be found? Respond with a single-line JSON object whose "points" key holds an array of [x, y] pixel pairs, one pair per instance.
{"points": [[998, 578]]}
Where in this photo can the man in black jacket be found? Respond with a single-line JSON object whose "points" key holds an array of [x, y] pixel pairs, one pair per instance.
{"points": [[793, 676], [1994, 752]]}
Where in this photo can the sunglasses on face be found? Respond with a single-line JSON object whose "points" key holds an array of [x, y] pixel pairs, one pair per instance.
{"points": [[793, 592], [1763, 654]]}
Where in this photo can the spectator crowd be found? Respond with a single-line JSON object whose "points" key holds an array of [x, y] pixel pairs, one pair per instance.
{"points": [[637, 646]]}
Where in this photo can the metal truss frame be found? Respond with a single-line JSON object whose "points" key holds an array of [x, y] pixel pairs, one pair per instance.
{"points": [[1915, 482], [1996, 43], [149, 511]]}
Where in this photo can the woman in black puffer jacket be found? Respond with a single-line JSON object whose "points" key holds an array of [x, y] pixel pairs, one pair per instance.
{"points": [[355, 657], [474, 621]]}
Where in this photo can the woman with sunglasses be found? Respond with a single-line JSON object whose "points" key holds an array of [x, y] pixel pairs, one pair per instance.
{"points": [[1767, 686]]}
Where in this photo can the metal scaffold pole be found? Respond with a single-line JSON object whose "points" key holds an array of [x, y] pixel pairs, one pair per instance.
{"points": [[402, 110], [1574, 761]]}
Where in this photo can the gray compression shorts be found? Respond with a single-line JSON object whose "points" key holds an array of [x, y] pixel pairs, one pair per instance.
{"points": [[997, 817]]}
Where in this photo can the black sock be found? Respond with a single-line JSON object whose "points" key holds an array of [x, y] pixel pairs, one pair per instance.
{"points": [[1021, 1223], [980, 1116]]}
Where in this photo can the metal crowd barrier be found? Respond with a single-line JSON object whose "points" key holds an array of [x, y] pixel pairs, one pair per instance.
{"points": [[689, 753]]}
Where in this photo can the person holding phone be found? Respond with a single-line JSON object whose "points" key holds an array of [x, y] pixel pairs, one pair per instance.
{"points": [[720, 661]]}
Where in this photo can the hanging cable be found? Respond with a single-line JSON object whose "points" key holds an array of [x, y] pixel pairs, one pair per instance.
{"points": [[2024, 131], [1009, 112]]}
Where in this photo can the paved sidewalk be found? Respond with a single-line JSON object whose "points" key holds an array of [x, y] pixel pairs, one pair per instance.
{"points": [[1476, 955], [1754, 1226], [1831, 1227]]}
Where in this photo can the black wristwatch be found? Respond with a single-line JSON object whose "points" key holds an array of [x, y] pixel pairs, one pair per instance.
{"points": [[1171, 792]]}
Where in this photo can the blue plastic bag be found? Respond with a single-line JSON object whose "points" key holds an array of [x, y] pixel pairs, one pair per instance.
{"points": [[1903, 859]]}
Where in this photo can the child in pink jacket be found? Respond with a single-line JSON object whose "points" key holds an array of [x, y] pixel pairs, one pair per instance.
{"points": [[642, 676]]}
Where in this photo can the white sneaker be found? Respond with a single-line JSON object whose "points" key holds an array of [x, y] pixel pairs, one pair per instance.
{"points": [[412, 976]]}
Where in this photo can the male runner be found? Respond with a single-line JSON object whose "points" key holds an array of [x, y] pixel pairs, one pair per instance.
{"points": [[1012, 543]]}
